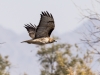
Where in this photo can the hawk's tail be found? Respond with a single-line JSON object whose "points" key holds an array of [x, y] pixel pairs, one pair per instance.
{"points": [[27, 41]]}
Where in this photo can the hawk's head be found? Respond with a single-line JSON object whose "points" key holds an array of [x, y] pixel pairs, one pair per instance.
{"points": [[51, 40]]}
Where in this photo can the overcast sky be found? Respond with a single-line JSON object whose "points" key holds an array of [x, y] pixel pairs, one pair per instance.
{"points": [[15, 13]]}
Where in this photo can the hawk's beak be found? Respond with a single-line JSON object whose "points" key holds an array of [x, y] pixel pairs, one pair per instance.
{"points": [[55, 41]]}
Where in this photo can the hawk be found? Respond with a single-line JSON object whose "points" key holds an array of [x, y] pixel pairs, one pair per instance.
{"points": [[41, 34]]}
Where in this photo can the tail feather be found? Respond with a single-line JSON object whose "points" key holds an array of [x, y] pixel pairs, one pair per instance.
{"points": [[27, 41], [22, 42]]}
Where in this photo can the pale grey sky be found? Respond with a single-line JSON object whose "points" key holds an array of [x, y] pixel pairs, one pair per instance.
{"points": [[15, 13]]}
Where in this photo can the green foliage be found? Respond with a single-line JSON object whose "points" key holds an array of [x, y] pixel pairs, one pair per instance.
{"points": [[4, 64], [62, 59]]}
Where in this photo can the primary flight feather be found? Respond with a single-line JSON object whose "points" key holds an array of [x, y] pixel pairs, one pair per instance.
{"points": [[41, 34]]}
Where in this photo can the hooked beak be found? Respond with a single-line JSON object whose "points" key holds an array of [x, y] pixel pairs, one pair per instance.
{"points": [[55, 41]]}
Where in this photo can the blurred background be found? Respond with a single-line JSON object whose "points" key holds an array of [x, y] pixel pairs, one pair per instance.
{"points": [[76, 24]]}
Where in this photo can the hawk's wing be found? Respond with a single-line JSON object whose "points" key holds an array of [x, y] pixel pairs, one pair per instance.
{"points": [[46, 25], [31, 30]]}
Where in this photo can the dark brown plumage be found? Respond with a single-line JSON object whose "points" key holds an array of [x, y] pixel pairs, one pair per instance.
{"points": [[43, 30], [46, 25], [31, 30]]}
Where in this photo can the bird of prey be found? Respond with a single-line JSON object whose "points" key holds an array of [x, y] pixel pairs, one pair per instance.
{"points": [[41, 34]]}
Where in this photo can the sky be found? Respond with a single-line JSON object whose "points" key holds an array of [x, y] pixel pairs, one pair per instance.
{"points": [[15, 13]]}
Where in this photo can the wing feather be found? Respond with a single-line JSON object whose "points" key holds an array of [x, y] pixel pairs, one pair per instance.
{"points": [[31, 30], [46, 25]]}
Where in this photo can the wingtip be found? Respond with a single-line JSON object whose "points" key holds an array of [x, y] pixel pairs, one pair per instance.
{"points": [[46, 13]]}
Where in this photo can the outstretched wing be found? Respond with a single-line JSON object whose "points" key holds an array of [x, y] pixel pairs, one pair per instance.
{"points": [[46, 25], [31, 30]]}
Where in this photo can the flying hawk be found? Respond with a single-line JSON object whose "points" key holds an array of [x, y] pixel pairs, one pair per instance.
{"points": [[41, 34]]}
